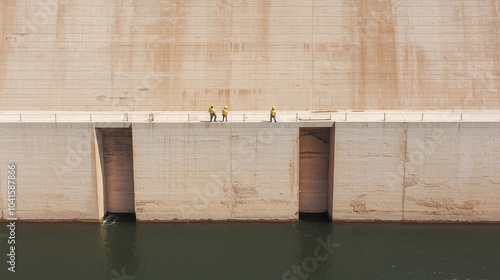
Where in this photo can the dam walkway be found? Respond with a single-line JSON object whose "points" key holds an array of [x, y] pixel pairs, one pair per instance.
{"points": [[253, 116]]}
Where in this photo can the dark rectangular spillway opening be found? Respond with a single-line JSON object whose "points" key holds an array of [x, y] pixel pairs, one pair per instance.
{"points": [[314, 217], [115, 148], [314, 170], [111, 218]]}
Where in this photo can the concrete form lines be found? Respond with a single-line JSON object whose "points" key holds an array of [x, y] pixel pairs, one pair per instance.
{"points": [[231, 170], [404, 173], [312, 88]]}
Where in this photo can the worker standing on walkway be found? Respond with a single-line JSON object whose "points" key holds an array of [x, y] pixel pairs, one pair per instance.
{"points": [[212, 113], [273, 115], [224, 113]]}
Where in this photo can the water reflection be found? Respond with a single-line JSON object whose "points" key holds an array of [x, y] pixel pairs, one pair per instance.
{"points": [[118, 242], [254, 250], [315, 247]]}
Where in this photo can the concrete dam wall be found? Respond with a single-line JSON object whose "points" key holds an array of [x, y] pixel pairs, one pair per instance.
{"points": [[388, 109], [355, 171], [153, 55]]}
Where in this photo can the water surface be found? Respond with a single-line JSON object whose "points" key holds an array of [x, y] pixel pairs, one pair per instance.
{"points": [[309, 249]]}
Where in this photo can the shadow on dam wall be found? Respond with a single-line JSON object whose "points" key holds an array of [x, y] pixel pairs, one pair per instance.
{"points": [[316, 169], [117, 169]]}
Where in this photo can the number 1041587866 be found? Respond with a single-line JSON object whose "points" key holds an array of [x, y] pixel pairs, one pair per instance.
{"points": [[11, 189]]}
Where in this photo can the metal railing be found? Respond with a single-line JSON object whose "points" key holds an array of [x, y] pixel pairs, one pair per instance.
{"points": [[303, 116]]}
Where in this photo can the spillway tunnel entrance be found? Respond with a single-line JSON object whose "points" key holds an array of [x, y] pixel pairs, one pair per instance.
{"points": [[116, 162], [316, 169]]}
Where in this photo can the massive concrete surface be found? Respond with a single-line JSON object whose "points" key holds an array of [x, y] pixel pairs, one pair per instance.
{"points": [[216, 171], [368, 158], [55, 170], [301, 55], [452, 172], [417, 172], [391, 171]]}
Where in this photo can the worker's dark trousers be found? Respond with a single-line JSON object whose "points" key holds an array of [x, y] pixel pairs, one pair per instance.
{"points": [[272, 118], [214, 116], [224, 117]]}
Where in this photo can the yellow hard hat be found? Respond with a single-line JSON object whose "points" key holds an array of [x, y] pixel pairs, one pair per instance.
{"points": [[273, 107], [225, 107], [211, 105]]}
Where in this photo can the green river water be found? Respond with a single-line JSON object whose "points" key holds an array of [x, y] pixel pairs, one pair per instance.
{"points": [[309, 249]]}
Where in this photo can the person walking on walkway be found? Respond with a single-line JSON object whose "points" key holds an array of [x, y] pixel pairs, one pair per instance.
{"points": [[212, 113], [224, 113], [273, 115]]}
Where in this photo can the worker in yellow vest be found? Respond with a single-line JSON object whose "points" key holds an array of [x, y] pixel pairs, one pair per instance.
{"points": [[224, 113], [273, 115], [212, 113]]}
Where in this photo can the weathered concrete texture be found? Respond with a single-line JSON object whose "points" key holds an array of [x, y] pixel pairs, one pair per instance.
{"points": [[55, 170], [367, 159], [314, 166], [182, 55], [392, 171], [417, 172], [331, 172], [100, 169], [217, 171], [453, 172]]}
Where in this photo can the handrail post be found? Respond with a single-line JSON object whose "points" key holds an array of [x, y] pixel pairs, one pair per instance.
{"points": [[345, 118], [244, 117], [20, 118], [422, 116], [90, 116]]}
